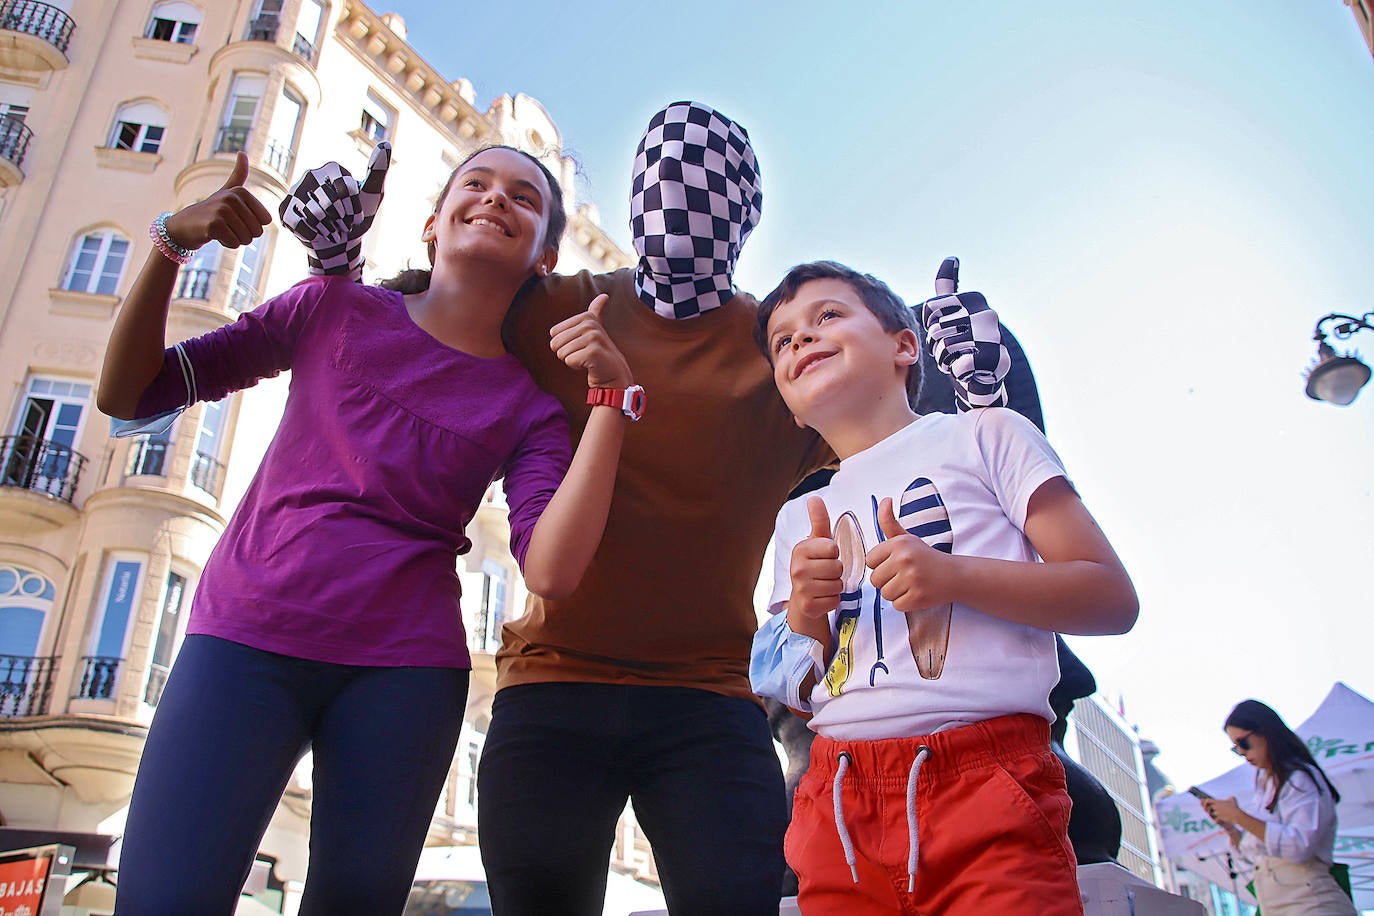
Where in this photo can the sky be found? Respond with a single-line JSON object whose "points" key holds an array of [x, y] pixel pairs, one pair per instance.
{"points": [[1160, 199]]}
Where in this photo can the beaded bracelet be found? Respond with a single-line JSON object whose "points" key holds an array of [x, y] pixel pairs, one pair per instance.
{"points": [[169, 249]]}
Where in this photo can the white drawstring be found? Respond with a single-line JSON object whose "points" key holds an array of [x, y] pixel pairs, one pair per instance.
{"points": [[836, 793], [922, 753]]}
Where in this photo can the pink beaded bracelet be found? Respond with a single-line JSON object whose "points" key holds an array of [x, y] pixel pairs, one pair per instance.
{"points": [[163, 242]]}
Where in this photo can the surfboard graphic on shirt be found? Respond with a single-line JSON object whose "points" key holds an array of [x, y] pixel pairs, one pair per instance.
{"points": [[850, 540], [922, 512]]}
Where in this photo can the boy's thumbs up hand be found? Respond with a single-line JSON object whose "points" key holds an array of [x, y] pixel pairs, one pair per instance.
{"points": [[231, 216], [815, 567], [910, 574]]}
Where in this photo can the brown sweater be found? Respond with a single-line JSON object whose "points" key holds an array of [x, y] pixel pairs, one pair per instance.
{"points": [[668, 599]]}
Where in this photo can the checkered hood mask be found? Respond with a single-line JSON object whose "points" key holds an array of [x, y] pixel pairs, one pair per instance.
{"points": [[694, 198]]}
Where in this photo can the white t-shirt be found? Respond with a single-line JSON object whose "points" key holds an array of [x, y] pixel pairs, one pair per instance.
{"points": [[984, 465]]}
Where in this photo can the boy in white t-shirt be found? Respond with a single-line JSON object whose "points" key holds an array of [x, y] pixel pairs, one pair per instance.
{"points": [[914, 623]]}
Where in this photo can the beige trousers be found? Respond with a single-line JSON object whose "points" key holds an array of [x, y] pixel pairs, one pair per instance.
{"points": [[1287, 888]]}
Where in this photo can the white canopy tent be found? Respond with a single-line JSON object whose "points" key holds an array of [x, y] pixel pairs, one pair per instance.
{"points": [[1340, 735]]}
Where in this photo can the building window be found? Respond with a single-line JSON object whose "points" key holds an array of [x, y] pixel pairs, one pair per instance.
{"points": [[243, 292], [138, 127], [118, 598], [169, 619], [26, 598], [281, 135], [175, 22], [205, 464], [492, 614], [377, 119], [266, 19], [308, 29], [39, 455], [97, 263], [241, 112]]}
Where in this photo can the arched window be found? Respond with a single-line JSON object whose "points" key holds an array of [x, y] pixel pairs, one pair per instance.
{"points": [[97, 262], [26, 597], [175, 21], [139, 127]]}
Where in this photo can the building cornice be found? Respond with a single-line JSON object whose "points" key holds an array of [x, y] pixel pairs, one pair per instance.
{"points": [[374, 43]]}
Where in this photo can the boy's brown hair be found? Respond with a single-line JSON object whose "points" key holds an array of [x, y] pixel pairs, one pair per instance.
{"points": [[892, 313]]}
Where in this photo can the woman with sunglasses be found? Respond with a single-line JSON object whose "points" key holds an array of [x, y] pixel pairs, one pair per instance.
{"points": [[1289, 828]]}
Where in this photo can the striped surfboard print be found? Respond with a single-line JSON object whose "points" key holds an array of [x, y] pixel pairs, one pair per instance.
{"points": [[922, 512]]}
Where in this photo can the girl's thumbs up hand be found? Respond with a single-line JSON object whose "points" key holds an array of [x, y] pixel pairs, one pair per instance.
{"points": [[231, 216]]}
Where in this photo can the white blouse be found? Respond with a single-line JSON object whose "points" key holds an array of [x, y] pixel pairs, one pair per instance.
{"points": [[1302, 825]]}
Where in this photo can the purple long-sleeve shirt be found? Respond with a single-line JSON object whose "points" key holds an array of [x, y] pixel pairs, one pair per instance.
{"points": [[344, 547]]}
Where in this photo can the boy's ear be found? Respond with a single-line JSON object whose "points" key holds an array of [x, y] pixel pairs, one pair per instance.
{"points": [[798, 420], [427, 233], [908, 348]]}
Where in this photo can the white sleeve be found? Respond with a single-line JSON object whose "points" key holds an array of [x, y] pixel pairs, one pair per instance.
{"points": [[1018, 459], [786, 535], [1290, 832]]}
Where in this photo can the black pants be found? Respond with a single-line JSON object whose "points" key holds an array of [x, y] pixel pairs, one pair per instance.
{"points": [[701, 769], [230, 727]]}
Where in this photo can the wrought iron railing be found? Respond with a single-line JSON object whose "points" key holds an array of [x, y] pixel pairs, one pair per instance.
{"points": [[157, 679], [25, 684], [41, 20], [37, 464], [194, 283], [98, 678], [205, 471], [279, 157], [147, 457], [231, 139], [14, 139]]}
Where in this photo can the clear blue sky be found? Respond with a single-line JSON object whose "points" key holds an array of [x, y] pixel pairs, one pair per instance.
{"points": [[1159, 198]]}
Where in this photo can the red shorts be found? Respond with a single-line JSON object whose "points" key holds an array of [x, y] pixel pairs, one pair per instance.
{"points": [[991, 817]]}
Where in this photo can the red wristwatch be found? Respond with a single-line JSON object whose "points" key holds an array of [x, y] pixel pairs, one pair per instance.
{"points": [[629, 401]]}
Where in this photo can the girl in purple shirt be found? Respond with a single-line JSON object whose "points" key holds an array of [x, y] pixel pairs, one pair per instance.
{"points": [[327, 617]]}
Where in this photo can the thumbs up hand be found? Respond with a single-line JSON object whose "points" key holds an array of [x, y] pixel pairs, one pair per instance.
{"points": [[815, 567], [964, 336], [910, 574], [582, 343], [231, 216]]}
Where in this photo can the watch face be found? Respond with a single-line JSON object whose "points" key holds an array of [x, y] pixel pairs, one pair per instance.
{"points": [[635, 402]]}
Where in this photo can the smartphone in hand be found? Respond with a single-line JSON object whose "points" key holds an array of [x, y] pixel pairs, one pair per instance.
{"points": [[1197, 793]]}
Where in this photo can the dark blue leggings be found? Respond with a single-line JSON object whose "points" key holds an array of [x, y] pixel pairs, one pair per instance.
{"points": [[230, 727], [560, 761]]}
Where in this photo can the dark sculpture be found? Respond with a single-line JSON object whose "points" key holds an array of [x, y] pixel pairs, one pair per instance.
{"points": [[1095, 823]]}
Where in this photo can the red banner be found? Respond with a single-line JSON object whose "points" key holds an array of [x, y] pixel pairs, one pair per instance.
{"points": [[21, 886]]}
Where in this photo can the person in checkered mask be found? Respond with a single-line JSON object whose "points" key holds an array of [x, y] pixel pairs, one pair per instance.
{"points": [[636, 686]]}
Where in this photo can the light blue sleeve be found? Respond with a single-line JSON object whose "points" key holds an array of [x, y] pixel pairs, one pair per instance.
{"points": [[780, 660]]}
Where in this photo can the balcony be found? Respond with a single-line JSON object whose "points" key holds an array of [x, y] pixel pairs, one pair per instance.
{"points": [[206, 472], [263, 28], [34, 36], [147, 458], [40, 466], [231, 139], [279, 157], [14, 143], [303, 49], [25, 685], [194, 284], [98, 678]]}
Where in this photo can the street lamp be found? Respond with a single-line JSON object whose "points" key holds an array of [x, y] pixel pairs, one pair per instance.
{"points": [[1334, 378]]}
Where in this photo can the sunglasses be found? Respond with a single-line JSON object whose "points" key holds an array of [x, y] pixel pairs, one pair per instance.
{"points": [[1242, 744]]}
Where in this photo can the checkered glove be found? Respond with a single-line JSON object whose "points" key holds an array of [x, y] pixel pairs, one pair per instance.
{"points": [[330, 213], [962, 334]]}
